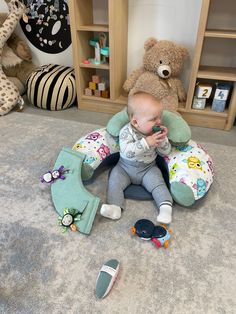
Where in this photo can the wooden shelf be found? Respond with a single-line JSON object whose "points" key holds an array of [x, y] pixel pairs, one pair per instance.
{"points": [[95, 98], [115, 25], [217, 73], [95, 66], [121, 99], [205, 120], [99, 104], [94, 28], [214, 69], [220, 33], [205, 112]]}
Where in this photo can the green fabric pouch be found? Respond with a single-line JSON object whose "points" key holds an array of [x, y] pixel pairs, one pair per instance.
{"points": [[71, 193]]}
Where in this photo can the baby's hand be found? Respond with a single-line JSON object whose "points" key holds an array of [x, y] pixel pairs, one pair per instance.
{"points": [[156, 138], [162, 134]]}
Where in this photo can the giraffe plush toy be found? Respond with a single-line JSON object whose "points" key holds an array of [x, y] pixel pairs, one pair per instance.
{"points": [[9, 94]]}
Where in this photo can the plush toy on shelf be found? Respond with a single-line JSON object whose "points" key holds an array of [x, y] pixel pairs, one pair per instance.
{"points": [[162, 63], [9, 94], [16, 58]]}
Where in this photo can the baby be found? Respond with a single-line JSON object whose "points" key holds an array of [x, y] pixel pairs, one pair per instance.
{"points": [[139, 146]]}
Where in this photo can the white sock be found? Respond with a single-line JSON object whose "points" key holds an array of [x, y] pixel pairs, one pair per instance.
{"points": [[110, 211], [165, 214]]}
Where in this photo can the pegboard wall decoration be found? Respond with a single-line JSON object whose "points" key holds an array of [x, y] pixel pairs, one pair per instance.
{"points": [[47, 25]]}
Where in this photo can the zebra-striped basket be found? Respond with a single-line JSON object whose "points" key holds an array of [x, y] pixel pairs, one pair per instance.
{"points": [[52, 87]]}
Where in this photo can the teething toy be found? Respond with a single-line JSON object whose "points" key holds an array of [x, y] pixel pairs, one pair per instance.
{"points": [[156, 128], [106, 278]]}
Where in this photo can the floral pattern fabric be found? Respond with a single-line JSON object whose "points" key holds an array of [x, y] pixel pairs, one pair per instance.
{"points": [[189, 164]]}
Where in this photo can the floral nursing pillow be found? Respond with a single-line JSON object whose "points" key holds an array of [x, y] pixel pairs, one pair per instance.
{"points": [[190, 166], [97, 146]]}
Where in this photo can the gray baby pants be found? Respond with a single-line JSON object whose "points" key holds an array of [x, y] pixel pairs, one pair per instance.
{"points": [[139, 173]]}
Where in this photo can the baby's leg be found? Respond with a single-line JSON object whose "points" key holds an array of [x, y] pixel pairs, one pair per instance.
{"points": [[117, 183], [153, 181]]}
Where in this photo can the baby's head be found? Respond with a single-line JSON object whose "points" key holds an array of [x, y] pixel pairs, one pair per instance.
{"points": [[144, 112]]}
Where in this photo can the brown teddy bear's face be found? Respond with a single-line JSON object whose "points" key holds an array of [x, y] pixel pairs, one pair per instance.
{"points": [[164, 58]]}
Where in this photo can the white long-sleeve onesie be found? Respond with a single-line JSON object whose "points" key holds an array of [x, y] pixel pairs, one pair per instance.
{"points": [[134, 147]]}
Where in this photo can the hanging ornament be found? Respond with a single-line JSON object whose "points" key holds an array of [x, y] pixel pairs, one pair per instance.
{"points": [[47, 25]]}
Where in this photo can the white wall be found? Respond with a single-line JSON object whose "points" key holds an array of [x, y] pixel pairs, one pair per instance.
{"points": [[175, 20]]}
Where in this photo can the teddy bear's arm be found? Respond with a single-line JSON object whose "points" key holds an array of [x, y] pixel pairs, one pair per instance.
{"points": [[181, 92], [20, 47], [177, 86], [131, 80]]}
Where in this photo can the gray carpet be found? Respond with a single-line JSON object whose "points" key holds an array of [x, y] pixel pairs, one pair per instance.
{"points": [[43, 270]]}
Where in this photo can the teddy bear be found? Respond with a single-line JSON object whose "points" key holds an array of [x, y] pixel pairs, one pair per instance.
{"points": [[162, 63], [16, 58]]}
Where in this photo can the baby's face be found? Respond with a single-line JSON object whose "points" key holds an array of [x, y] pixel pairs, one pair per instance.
{"points": [[148, 117]]}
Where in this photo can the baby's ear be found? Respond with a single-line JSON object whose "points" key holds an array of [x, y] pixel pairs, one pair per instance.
{"points": [[134, 121], [149, 43]]}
